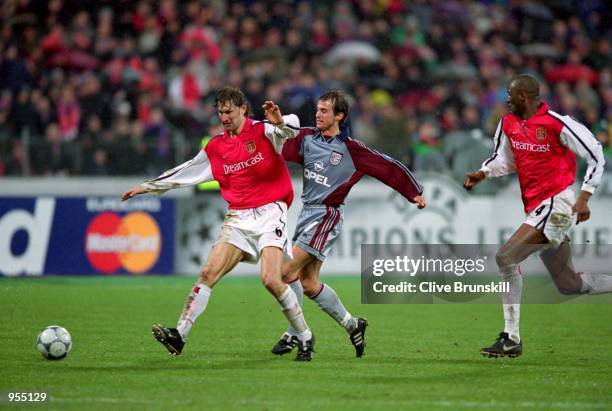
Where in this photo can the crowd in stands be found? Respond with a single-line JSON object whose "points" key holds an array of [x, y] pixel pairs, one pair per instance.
{"points": [[118, 87]]}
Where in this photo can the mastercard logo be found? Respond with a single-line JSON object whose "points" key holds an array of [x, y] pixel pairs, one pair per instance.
{"points": [[132, 242]]}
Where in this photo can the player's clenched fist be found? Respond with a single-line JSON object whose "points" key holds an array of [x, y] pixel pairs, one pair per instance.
{"points": [[473, 178]]}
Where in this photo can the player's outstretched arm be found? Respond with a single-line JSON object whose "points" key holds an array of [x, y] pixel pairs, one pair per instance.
{"points": [[385, 169], [194, 171], [473, 178]]}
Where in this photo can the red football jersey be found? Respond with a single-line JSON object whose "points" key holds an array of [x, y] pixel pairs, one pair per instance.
{"points": [[542, 150], [249, 167], [249, 171]]}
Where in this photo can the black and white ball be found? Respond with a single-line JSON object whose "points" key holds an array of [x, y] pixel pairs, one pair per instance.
{"points": [[54, 342]]}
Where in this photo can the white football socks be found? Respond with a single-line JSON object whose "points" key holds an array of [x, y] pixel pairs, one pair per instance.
{"points": [[289, 304], [512, 300], [196, 303], [596, 283], [297, 288]]}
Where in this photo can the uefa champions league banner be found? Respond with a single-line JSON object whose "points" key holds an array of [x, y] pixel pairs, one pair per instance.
{"points": [[86, 236], [375, 214]]}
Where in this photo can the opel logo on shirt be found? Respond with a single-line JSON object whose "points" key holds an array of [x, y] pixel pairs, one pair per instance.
{"points": [[318, 165]]}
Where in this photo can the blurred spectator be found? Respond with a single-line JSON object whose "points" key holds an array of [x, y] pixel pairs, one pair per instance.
{"points": [[14, 73], [16, 164], [427, 149], [92, 99], [53, 155], [157, 134], [21, 115], [186, 89], [42, 112], [68, 114], [6, 132], [97, 165]]}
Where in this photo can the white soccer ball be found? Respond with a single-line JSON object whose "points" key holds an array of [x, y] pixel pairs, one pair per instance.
{"points": [[54, 342]]}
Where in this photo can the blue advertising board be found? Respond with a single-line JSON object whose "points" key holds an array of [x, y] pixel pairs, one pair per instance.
{"points": [[86, 236]]}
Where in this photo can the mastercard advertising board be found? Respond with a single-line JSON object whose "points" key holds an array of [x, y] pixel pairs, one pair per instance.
{"points": [[86, 236]]}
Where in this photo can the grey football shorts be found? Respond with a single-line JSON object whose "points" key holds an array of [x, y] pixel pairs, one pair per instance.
{"points": [[318, 228]]}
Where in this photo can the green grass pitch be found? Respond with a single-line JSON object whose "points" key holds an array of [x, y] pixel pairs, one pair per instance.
{"points": [[418, 357]]}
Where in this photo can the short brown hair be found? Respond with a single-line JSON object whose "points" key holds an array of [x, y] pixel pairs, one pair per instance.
{"points": [[231, 95], [339, 102]]}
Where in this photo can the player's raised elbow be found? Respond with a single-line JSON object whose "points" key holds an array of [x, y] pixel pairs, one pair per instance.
{"points": [[292, 122]]}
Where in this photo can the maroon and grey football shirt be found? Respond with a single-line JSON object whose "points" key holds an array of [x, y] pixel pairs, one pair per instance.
{"points": [[333, 165]]}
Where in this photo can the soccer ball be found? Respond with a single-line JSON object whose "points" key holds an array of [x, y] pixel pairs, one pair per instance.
{"points": [[54, 342]]}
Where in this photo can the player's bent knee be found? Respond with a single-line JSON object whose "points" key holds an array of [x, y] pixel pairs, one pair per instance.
{"points": [[311, 287], [272, 282], [504, 259], [209, 276], [289, 278]]}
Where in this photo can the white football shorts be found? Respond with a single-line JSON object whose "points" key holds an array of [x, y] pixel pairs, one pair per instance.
{"points": [[554, 216], [252, 229]]}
